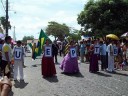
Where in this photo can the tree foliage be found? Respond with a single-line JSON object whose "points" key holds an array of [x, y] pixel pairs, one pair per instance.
{"points": [[25, 38], [75, 35], [3, 23], [102, 17], [57, 30]]}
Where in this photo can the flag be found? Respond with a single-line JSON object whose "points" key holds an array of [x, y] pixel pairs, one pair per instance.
{"points": [[66, 49], [41, 42], [30, 45]]}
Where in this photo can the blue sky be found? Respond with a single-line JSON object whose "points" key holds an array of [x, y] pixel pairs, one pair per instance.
{"points": [[29, 16]]}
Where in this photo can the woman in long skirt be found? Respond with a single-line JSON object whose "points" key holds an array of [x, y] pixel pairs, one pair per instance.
{"points": [[69, 63], [93, 58], [48, 66], [111, 56]]}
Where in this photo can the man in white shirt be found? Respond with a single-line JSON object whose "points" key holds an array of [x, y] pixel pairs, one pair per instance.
{"points": [[18, 53]]}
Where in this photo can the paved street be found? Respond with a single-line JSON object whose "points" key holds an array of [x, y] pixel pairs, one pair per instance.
{"points": [[84, 84]]}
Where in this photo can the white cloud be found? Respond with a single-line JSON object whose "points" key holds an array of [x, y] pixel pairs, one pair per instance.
{"points": [[32, 15]]}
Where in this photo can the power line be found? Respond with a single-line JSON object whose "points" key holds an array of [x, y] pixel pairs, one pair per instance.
{"points": [[3, 5]]}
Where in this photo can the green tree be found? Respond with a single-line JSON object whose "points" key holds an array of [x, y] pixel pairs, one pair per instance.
{"points": [[102, 17], [75, 35], [25, 38], [3, 23], [57, 30]]}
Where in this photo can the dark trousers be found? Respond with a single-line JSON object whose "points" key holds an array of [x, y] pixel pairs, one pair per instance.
{"points": [[60, 52], [3, 66], [103, 62], [55, 56], [107, 59]]}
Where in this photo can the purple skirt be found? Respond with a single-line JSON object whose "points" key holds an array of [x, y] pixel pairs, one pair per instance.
{"points": [[94, 63], [69, 65]]}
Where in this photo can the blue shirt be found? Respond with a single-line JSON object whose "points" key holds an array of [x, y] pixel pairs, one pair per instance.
{"points": [[1, 45], [82, 48], [103, 49]]}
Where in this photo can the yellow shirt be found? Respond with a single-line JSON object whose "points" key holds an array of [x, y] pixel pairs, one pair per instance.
{"points": [[6, 48]]}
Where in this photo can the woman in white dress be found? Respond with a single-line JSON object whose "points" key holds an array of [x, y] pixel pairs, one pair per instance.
{"points": [[110, 50]]}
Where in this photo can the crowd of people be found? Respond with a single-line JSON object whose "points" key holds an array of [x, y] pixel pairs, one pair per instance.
{"points": [[110, 55], [113, 55], [11, 61]]}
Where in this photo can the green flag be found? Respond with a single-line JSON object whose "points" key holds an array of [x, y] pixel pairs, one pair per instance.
{"points": [[41, 42], [30, 45]]}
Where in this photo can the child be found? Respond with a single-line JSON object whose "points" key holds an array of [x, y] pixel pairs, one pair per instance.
{"points": [[18, 53]]}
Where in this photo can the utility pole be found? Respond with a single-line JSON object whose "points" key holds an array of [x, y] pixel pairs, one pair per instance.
{"points": [[14, 34], [7, 18]]}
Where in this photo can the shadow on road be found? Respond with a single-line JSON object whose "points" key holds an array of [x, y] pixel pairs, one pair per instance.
{"points": [[20, 84], [117, 73], [36, 65], [74, 74], [53, 79], [102, 74]]}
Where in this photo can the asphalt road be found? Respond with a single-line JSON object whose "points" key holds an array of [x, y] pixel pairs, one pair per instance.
{"points": [[83, 84]]}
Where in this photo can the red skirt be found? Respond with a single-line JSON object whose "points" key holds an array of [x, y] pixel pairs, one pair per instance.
{"points": [[48, 67]]}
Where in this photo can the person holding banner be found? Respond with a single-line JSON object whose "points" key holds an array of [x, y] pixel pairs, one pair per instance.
{"points": [[70, 62], [18, 52], [48, 66], [94, 52]]}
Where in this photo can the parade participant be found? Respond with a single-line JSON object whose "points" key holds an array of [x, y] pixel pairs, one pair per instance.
{"points": [[18, 52], [55, 48], [119, 56], [77, 49], [87, 54], [82, 51], [126, 54], [124, 49], [48, 66], [25, 48], [5, 86], [1, 45], [103, 48], [94, 52], [110, 50], [60, 48], [70, 63], [6, 56], [33, 51]]}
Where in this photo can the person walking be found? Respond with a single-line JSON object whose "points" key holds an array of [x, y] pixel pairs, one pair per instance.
{"points": [[18, 52], [55, 48], [70, 62], [60, 49], [48, 66]]}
